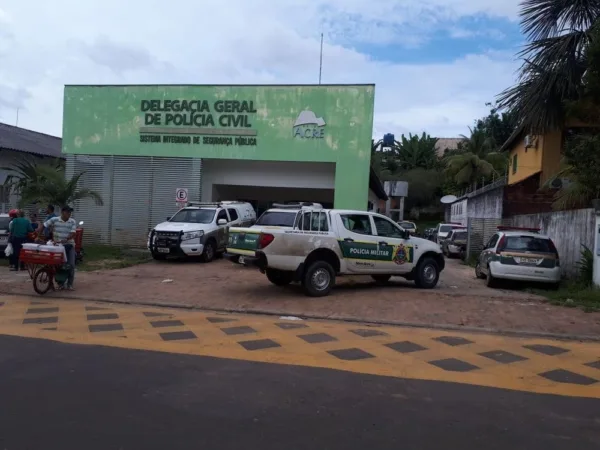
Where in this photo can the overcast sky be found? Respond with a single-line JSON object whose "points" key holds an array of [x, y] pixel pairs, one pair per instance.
{"points": [[435, 63]]}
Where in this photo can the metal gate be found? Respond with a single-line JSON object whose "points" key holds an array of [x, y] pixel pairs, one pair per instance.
{"points": [[138, 192]]}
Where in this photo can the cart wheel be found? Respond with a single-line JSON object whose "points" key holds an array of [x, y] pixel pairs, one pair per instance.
{"points": [[43, 281]]}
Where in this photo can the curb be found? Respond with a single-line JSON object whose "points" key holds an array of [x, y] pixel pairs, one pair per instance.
{"points": [[348, 319]]}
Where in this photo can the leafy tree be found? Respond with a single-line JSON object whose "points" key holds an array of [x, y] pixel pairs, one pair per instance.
{"points": [[497, 126], [475, 160], [555, 61], [50, 187], [423, 187], [581, 161], [468, 168], [416, 152]]}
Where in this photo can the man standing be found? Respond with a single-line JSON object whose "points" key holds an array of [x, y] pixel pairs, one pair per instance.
{"points": [[63, 232], [18, 228], [50, 212]]}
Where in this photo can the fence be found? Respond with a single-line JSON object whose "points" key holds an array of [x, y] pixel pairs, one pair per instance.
{"points": [[569, 230]]}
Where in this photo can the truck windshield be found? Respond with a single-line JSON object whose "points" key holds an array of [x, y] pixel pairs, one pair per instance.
{"points": [[277, 219], [194, 216]]}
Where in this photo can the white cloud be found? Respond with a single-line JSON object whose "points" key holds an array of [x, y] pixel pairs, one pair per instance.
{"points": [[236, 41]]}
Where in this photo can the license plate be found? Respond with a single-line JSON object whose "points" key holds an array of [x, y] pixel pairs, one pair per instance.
{"points": [[242, 260], [163, 250], [528, 261]]}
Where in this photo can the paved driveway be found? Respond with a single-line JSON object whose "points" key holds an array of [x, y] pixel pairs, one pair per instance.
{"points": [[459, 300]]}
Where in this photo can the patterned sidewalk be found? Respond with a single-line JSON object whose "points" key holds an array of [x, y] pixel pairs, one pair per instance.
{"points": [[525, 364]]}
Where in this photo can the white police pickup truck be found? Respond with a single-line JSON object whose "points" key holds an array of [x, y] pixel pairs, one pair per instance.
{"points": [[325, 243], [199, 229], [281, 215]]}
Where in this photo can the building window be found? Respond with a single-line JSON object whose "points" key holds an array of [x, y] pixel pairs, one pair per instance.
{"points": [[514, 164]]}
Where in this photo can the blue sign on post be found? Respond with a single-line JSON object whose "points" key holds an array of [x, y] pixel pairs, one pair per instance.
{"points": [[388, 140]]}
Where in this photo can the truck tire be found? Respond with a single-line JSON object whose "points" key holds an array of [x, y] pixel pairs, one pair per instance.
{"points": [[318, 279], [208, 254], [427, 273], [381, 279], [279, 277]]}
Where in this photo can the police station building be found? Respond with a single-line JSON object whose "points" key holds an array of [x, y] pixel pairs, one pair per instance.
{"points": [[139, 145]]}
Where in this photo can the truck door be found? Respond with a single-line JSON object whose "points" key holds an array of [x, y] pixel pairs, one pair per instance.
{"points": [[396, 254], [222, 229], [357, 242]]}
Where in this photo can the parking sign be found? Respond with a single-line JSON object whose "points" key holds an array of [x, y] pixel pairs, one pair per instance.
{"points": [[181, 195]]}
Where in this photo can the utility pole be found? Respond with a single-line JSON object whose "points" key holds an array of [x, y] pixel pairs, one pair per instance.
{"points": [[17, 124]]}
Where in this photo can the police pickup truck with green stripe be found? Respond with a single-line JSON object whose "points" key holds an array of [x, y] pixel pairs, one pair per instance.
{"points": [[243, 242], [325, 243]]}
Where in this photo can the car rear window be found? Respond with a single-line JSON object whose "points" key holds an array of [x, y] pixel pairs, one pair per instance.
{"points": [[277, 219], [460, 236], [407, 225], [528, 244], [4, 221]]}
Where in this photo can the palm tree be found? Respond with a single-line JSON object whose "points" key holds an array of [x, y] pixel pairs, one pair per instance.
{"points": [[477, 159], [25, 172], [51, 187], [555, 60], [466, 169]]}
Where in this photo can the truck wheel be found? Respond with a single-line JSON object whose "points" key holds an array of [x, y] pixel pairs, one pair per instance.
{"points": [[209, 252], [427, 273], [279, 277], [318, 279], [381, 279]]}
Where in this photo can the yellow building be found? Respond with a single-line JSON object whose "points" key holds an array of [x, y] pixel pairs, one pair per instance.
{"points": [[531, 155]]}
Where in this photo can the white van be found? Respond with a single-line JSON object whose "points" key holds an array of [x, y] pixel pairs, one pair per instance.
{"points": [[199, 229]]}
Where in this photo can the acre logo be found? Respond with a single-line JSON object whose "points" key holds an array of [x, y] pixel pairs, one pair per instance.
{"points": [[309, 126]]}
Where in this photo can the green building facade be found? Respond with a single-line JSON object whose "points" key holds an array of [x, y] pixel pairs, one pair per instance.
{"points": [[269, 142]]}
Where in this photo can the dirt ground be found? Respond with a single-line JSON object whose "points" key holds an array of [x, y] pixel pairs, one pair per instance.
{"points": [[460, 299]]}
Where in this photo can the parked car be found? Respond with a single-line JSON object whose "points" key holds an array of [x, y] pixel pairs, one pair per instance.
{"points": [[455, 244], [409, 226], [520, 254], [428, 234], [199, 229], [325, 243], [4, 221], [282, 215], [442, 230]]}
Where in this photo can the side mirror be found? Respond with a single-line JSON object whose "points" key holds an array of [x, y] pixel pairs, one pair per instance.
{"points": [[222, 222], [168, 218], [406, 234]]}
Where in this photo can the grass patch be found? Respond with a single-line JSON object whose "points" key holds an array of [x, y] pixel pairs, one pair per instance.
{"points": [[573, 295], [103, 257]]}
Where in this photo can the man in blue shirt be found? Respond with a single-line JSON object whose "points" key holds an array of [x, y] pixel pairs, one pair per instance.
{"points": [[47, 230]]}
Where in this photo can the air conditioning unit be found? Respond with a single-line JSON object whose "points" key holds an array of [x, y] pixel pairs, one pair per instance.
{"points": [[529, 141]]}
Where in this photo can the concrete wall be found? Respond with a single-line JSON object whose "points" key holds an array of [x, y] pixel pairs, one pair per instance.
{"points": [[569, 230], [487, 205], [265, 173]]}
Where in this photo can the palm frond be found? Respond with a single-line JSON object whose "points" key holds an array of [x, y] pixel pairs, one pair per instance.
{"points": [[541, 19]]}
